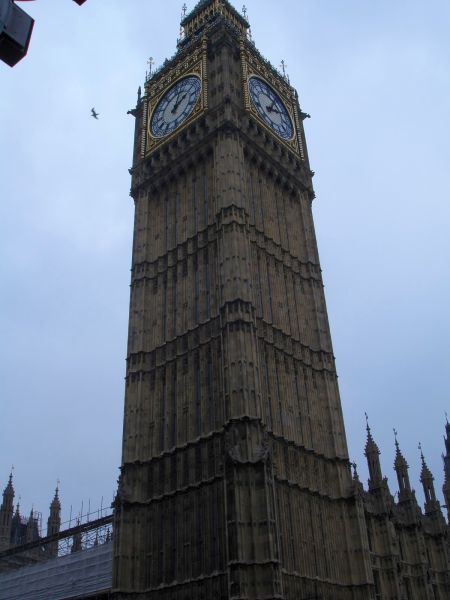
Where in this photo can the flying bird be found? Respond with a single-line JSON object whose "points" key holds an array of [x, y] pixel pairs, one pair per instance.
{"points": [[94, 114]]}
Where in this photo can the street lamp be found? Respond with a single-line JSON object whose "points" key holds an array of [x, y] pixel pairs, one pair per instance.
{"points": [[16, 27]]}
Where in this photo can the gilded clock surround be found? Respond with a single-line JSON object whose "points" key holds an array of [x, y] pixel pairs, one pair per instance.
{"points": [[253, 67], [194, 64]]}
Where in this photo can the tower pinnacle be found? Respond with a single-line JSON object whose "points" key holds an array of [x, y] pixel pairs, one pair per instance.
{"points": [[54, 522], [446, 459], [372, 454], [427, 480], [401, 469], [6, 513]]}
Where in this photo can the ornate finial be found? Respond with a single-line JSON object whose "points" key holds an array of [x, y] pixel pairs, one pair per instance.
{"points": [[421, 453], [183, 16], [367, 423], [355, 471], [283, 66], [244, 11], [150, 63], [395, 436]]}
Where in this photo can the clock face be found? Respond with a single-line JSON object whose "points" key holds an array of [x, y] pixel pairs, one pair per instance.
{"points": [[271, 108], [175, 106]]}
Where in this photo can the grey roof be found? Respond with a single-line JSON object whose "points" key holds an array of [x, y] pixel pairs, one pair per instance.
{"points": [[72, 576]]}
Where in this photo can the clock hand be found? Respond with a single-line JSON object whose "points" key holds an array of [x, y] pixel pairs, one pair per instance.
{"points": [[177, 103], [272, 109]]}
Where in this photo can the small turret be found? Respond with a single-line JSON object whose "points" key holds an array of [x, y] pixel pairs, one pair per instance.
{"points": [[372, 454], [358, 486], [401, 468], [54, 519], [427, 481], [31, 528], [6, 514], [446, 459], [54, 523]]}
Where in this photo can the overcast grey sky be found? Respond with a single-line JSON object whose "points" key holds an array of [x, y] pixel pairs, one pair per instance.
{"points": [[375, 77]]}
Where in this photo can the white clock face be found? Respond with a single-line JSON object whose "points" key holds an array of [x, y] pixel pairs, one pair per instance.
{"points": [[271, 108], [175, 106]]}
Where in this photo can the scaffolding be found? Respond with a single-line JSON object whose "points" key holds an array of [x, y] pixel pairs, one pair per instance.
{"points": [[75, 563]]}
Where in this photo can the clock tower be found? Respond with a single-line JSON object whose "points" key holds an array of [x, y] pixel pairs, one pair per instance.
{"points": [[235, 479]]}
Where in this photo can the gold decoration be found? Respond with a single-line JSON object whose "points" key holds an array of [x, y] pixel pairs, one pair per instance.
{"points": [[252, 66], [194, 64]]}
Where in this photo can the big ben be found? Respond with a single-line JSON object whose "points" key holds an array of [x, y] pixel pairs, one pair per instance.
{"points": [[235, 479]]}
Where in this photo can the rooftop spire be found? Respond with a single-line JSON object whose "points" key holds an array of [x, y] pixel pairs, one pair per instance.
{"points": [[446, 459], [400, 460], [401, 468], [8, 492], [54, 522], [447, 447], [371, 446], [427, 480], [425, 474], [372, 453], [56, 502], [6, 513]]}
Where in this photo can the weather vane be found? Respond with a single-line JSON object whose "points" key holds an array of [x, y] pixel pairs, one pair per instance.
{"points": [[150, 63], [283, 68], [421, 451]]}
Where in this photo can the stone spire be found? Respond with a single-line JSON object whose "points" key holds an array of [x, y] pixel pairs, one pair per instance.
{"points": [[427, 481], [446, 458], [372, 454], [54, 522], [6, 514], [401, 468], [31, 527]]}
